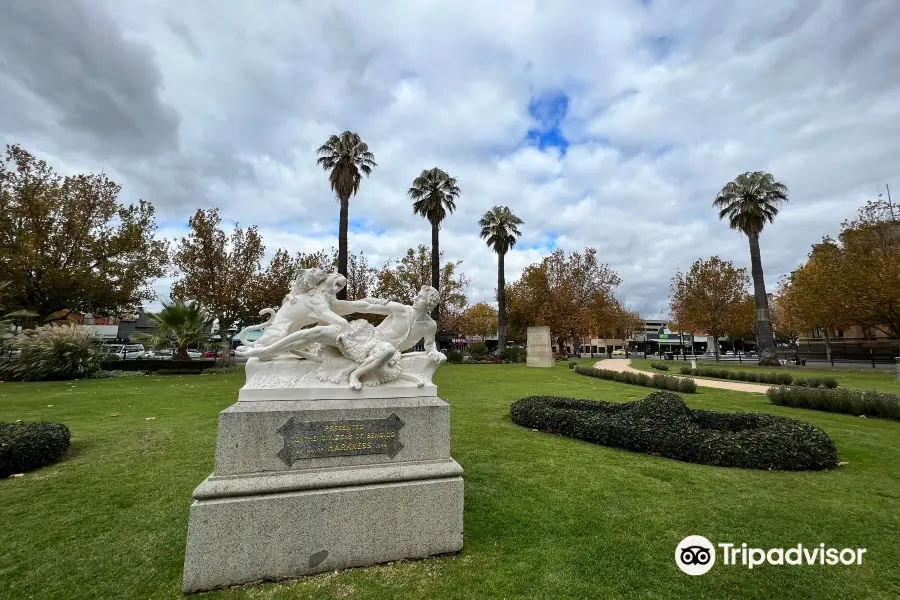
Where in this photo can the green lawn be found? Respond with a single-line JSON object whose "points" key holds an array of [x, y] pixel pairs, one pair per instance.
{"points": [[546, 516], [883, 380]]}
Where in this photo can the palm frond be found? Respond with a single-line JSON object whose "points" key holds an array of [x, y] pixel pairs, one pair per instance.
{"points": [[434, 194], [500, 229], [751, 201]]}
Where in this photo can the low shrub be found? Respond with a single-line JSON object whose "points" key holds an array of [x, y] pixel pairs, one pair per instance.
{"points": [[830, 382], [801, 382], [785, 379], [29, 446], [657, 380], [838, 400], [662, 424], [227, 370], [686, 371], [477, 349], [152, 365], [454, 356], [117, 374], [687, 386], [659, 366], [573, 364], [514, 355], [815, 382], [54, 352]]}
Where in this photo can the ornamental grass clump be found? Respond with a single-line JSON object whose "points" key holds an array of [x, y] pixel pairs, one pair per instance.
{"points": [[54, 352]]}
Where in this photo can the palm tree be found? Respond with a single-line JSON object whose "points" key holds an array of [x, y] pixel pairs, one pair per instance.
{"points": [[434, 194], [749, 202], [348, 158], [500, 229], [185, 321]]}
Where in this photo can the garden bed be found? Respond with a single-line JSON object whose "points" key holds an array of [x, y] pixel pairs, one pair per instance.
{"points": [[662, 424]]}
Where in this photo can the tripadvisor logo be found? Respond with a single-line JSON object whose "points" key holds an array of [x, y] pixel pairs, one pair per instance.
{"points": [[696, 555]]}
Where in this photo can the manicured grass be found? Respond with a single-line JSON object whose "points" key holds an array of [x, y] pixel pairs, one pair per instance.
{"points": [[546, 516], [881, 380]]}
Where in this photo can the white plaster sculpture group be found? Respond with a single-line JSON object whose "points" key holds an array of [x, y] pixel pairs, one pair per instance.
{"points": [[310, 325]]}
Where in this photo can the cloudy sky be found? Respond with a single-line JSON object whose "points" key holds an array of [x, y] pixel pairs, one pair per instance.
{"points": [[608, 123]]}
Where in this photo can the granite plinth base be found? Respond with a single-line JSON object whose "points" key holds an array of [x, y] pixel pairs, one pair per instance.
{"points": [[243, 539], [305, 486]]}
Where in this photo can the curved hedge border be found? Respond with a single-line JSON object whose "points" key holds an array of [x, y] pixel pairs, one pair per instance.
{"points": [[29, 446], [754, 377], [657, 380], [841, 400], [662, 424]]}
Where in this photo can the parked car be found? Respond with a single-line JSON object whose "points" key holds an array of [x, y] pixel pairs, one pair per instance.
{"points": [[194, 354], [618, 353], [126, 351]]}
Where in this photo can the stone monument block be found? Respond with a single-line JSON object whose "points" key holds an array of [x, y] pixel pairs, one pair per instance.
{"points": [[540, 353]]}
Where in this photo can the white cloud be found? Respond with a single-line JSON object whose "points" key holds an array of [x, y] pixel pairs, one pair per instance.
{"points": [[666, 103]]}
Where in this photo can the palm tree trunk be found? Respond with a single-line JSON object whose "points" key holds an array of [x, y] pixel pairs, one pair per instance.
{"points": [[767, 355], [343, 225], [501, 302], [436, 270]]}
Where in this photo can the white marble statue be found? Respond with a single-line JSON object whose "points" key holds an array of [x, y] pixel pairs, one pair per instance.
{"points": [[347, 354]]}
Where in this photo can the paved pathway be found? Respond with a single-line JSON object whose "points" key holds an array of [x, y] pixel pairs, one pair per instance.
{"points": [[621, 364]]}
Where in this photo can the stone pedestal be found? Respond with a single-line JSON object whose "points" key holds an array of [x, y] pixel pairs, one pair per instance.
{"points": [[302, 486], [539, 351]]}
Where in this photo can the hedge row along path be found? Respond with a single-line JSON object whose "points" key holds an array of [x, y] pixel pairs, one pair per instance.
{"points": [[621, 364]]}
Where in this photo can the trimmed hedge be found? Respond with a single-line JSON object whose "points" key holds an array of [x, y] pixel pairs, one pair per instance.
{"points": [[659, 366], [840, 400], [755, 377], [151, 365], [29, 446], [662, 424], [573, 364], [657, 380]]}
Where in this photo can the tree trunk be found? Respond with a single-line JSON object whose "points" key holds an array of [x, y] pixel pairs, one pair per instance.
{"points": [[501, 302], [436, 270], [827, 347], [343, 225], [767, 355]]}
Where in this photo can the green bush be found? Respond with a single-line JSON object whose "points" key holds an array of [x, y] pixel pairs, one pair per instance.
{"points": [[695, 371], [830, 382], [785, 379], [741, 375], [801, 382], [573, 364], [659, 366], [54, 352], [454, 356], [686, 370], [477, 350], [839, 400], [687, 386], [657, 380], [29, 446], [662, 424], [815, 382]]}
